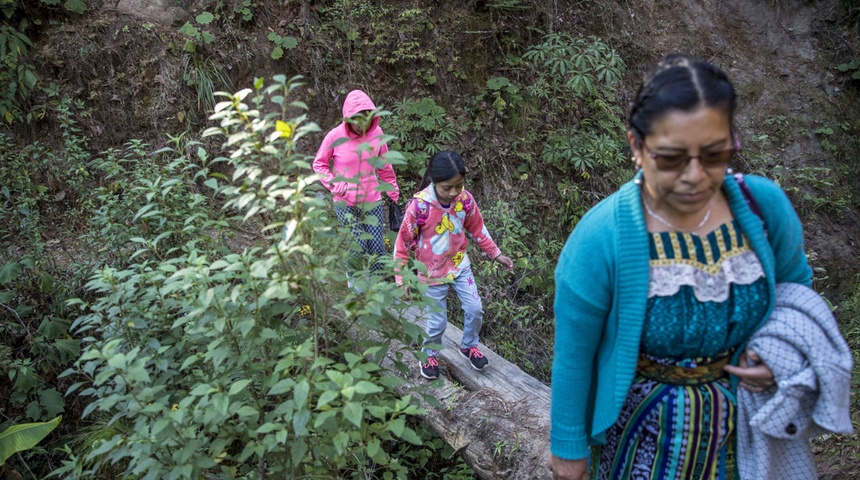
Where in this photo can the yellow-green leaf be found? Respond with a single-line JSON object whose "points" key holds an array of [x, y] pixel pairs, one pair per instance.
{"points": [[22, 437]]}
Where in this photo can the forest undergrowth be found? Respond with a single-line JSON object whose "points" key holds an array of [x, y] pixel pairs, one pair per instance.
{"points": [[169, 262]]}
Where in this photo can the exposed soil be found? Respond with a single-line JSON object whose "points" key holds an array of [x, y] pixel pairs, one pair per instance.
{"points": [[124, 59]]}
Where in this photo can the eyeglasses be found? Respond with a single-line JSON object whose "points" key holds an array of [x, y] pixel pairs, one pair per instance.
{"points": [[678, 162]]}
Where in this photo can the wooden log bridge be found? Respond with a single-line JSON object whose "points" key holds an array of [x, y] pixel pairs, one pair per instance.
{"points": [[497, 418]]}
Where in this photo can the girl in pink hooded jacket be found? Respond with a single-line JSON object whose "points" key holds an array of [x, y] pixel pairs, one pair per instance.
{"points": [[351, 162], [437, 226]]}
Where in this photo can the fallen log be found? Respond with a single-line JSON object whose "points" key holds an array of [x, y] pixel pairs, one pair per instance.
{"points": [[497, 418]]}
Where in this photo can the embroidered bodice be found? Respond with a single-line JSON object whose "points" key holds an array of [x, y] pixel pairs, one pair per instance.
{"points": [[706, 293]]}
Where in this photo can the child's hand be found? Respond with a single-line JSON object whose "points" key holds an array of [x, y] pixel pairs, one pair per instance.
{"points": [[505, 261]]}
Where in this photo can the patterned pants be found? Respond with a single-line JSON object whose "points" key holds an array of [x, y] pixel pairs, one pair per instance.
{"points": [[370, 238]]}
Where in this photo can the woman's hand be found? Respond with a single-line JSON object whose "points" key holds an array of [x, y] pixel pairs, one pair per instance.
{"points": [[339, 188], [505, 261], [568, 469], [754, 374]]}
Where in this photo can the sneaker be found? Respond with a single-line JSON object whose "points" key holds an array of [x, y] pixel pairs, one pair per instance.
{"points": [[430, 369], [476, 358]]}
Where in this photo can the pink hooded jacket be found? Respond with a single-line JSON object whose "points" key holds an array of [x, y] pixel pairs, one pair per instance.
{"points": [[344, 161], [439, 235]]}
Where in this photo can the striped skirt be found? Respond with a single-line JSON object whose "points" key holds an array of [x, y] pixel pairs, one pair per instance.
{"points": [[678, 422]]}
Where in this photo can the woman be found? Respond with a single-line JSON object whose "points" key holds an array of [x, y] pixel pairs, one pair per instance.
{"points": [[350, 162], [659, 288]]}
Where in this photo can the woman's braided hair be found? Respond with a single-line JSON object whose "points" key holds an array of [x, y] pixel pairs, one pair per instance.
{"points": [[683, 84]]}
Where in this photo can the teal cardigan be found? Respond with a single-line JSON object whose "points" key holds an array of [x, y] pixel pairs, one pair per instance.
{"points": [[601, 295]]}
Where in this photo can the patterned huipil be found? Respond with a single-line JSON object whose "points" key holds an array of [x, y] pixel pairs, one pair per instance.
{"points": [[706, 296]]}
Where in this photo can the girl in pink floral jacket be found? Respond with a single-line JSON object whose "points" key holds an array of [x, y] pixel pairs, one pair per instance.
{"points": [[436, 226]]}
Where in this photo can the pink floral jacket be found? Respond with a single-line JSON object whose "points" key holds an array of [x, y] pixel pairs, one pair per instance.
{"points": [[439, 235]]}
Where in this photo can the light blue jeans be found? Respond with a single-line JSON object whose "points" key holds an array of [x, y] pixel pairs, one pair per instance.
{"points": [[473, 310]]}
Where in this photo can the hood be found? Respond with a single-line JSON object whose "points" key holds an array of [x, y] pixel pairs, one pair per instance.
{"points": [[357, 101], [428, 195]]}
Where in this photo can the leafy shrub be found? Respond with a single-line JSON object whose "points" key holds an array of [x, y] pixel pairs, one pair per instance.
{"points": [[582, 149], [40, 182], [850, 69], [196, 34], [239, 364], [503, 97], [18, 76], [569, 65], [421, 128], [281, 44], [34, 340], [144, 206], [373, 33], [519, 306]]}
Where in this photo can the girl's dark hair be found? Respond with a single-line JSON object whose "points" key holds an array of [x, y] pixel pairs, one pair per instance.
{"points": [[445, 165], [684, 84]]}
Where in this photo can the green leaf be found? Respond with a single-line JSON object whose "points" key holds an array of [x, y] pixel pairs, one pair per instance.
{"points": [[269, 427], [75, 6], [365, 387], [238, 387], [22, 437], [205, 18], [9, 272], [353, 412], [300, 422], [282, 387], [277, 53], [30, 79], [188, 29], [373, 447], [52, 401], [340, 442], [410, 436], [300, 395], [202, 390], [327, 397], [298, 450], [495, 83]]}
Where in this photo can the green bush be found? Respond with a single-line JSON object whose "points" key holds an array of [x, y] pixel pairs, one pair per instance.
{"points": [[569, 65], [519, 305], [238, 364], [421, 128]]}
